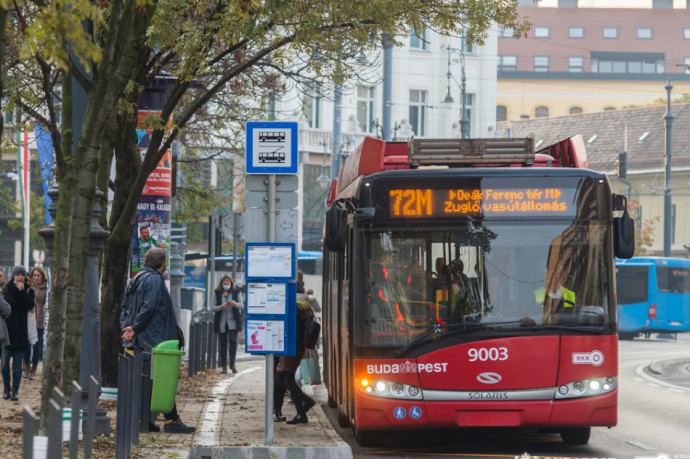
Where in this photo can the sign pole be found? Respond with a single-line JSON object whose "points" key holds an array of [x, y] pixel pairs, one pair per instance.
{"points": [[272, 148], [270, 374]]}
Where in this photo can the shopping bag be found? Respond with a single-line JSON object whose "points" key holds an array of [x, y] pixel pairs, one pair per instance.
{"points": [[311, 370], [31, 328]]}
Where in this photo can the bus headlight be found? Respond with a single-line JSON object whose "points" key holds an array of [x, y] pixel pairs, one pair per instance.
{"points": [[389, 389], [587, 387]]}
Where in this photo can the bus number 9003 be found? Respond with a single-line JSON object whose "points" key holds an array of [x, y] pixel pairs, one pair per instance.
{"points": [[484, 354]]}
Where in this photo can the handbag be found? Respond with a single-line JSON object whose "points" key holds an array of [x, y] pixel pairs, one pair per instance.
{"points": [[311, 370], [31, 328]]}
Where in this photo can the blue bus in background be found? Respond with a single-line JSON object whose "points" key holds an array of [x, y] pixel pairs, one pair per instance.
{"points": [[653, 296]]}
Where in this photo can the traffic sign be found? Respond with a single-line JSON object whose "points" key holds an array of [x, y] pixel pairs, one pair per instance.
{"points": [[272, 147], [286, 224]]}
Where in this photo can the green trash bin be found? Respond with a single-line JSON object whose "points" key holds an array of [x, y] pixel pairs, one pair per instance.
{"points": [[166, 371]]}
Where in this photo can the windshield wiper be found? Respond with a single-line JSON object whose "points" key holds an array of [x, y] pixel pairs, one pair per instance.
{"points": [[438, 329]]}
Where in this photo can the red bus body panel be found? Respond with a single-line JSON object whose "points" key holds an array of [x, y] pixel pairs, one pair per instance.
{"points": [[534, 362]]}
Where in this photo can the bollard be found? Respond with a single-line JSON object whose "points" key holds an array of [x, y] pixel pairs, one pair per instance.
{"points": [[74, 423], [30, 429], [54, 430], [202, 346], [90, 427], [214, 348], [210, 360], [191, 348], [197, 344], [121, 420], [144, 403], [137, 384]]}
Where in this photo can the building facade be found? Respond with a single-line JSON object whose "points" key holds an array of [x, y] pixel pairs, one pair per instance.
{"points": [[641, 134], [592, 56], [422, 72]]}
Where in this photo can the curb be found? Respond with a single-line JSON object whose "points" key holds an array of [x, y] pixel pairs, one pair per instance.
{"points": [[271, 452]]}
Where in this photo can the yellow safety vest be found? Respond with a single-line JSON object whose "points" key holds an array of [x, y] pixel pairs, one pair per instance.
{"points": [[568, 296]]}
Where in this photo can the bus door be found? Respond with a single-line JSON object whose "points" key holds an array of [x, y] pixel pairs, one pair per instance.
{"points": [[636, 294], [673, 296]]}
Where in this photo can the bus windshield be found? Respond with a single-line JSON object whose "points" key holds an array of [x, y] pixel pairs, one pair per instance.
{"points": [[520, 276]]}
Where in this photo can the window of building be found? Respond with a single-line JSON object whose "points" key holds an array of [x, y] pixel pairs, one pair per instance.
{"points": [[501, 113], [575, 110], [635, 63], [311, 106], [686, 34], [314, 211], [541, 112], [644, 33], [505, 32], [418, 39], [575, 64], [662, 3], [541, 63], [469, 102], [507, 63], [418, 111], [365, 107], [609, 32], [576, 32], [686, 62], [541, 32]]}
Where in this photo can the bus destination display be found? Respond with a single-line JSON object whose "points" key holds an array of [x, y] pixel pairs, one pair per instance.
{"points": [[427, 202]]}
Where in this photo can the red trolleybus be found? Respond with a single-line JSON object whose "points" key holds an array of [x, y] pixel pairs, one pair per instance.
{"points": [[457, 294]]}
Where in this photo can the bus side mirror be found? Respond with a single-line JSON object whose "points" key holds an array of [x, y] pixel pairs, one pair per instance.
{"points": [[624, 236], [336, 229]]}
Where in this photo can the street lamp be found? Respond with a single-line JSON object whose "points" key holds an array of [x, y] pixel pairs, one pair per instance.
{"points": [[324, 180], [448, 100]]}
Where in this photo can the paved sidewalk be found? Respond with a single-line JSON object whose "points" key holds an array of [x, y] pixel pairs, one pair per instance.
{"points": [[228, 412]]}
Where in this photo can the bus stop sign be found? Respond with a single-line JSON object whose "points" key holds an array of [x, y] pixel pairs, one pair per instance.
{"points": [[271, 147]]}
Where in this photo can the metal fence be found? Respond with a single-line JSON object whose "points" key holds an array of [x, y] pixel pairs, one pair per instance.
{"points": [[53, 442], [135, 384], [203, 345]]}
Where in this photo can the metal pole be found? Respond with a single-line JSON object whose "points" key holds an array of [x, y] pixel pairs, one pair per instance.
{"points": [[464, 122], [212, 260], [271, 237], [668, 117], [235, 241], [387, 86], [337, 131]]}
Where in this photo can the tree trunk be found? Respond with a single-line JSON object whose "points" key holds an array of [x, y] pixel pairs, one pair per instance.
{"points": [[53, 360], [118, 247]]}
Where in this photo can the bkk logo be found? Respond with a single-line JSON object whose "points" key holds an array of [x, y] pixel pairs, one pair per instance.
{"points": [[407, 367], [595, 358]]}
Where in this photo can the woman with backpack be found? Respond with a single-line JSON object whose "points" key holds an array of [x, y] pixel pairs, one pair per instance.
{"points": [[287, 366], [227, 320]]}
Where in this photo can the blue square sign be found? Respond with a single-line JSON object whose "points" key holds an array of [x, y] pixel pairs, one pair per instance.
{"points": [[272, 147]]}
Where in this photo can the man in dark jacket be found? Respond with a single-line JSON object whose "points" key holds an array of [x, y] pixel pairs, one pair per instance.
{"points": [[151, 320]]}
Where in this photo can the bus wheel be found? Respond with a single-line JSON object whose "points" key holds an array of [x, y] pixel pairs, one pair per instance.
{"points": [[343, 421], [626, 335], [367, 438], [576, 435]]}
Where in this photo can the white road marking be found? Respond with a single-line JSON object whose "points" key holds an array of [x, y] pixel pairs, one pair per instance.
{"points": [[652, 381], [209, 431]]}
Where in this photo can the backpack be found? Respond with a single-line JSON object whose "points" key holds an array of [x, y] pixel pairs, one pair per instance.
{"points": [[312, 329], [127, 307]]}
